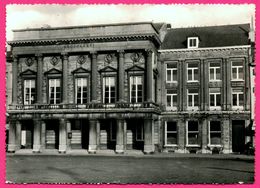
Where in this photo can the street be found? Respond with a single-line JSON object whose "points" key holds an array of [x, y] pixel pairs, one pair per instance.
{"points": [[127, 169]]}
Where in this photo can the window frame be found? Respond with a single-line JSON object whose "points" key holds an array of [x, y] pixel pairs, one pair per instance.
{"points": [[187, 133], [189, 42], [171, 96], [192, 71], [193, 101], [237, 93], [75, 89], [171, 70], [237, 67], [215, 107], [209, 134], [215, 72], [104, 76], [54, 78], [166, 132], [24, 94], [130, 88]]}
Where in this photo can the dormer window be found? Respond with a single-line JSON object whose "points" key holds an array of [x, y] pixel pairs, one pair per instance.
{"points": [[193, 42]]}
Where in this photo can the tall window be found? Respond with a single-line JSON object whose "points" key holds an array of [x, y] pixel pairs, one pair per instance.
{"points": [[215, 98], [54, 91], [214, 72], [109, 90], [237, 98], [214, 133], [237, 70], [171, 96], [171, 70], [81, 90], [170, 133], [29, 92], [193, 72], [193, 98], [193, 42], [136, 89], [192, 136]]}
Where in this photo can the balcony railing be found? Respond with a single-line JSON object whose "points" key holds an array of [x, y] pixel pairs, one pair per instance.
{"points": [[83, 106]]}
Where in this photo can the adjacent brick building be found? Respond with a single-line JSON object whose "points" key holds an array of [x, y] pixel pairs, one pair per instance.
{"points": [[134, 86]]}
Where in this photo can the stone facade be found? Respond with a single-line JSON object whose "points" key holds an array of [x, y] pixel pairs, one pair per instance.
{"points": [[137, 118]]}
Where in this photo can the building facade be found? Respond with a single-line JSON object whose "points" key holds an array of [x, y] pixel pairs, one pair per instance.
{"points": [[133, 86]]}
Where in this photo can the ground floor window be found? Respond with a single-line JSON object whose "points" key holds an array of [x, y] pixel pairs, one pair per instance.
{"points": [[192, 136], [170, 133], [214, 133]]}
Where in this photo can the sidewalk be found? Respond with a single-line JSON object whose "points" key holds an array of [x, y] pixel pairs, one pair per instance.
{"points": [[131, 153]]}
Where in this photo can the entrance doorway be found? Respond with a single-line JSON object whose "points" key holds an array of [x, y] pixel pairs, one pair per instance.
{"points": [[135, 134], [108, 134], [52, 134], [79, 134], [27, 134], [238, 136]]}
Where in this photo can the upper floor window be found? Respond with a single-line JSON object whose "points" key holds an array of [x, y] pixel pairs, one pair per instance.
{"points": [[193, 42], [193, 72], [192, 136], [54, 91], [171, 97], [193, 99], [214, 72], [81, 90], [170, 133], [215, 133], [29, 92], [237, 98], [109, 89], [136, 89], [214, 98], [237, 70], [171, 72]]}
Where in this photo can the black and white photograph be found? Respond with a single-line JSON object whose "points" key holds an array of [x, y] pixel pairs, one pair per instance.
{"points": [[130, 94]]}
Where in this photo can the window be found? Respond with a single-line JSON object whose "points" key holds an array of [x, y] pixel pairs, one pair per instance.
{"points": [[171, 96], [139, 132], [237, 98], [214, 98], [170, 133], [214, 72], [136, 89], [171, 73], [29, 92], [193, 72], [237, 71], [214, 133], [54, 91], [81, 90], [193, 42], [109, 90], [192, 136], [193, 98]]}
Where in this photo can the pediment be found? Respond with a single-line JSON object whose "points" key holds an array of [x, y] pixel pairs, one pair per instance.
{"points": [[53, 71], [135, 68], [108, 69], [80, 70], [28, 72]]}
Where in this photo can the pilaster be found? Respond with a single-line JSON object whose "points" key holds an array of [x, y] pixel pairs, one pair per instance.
{"points": [[62, 136], [94, 74], [120, 144], [39, 77], [148, 136], [149, 76], [121, 77], [92, 148], [43, 135], [15, 79], [36, 135], [12, 137], [65, 78]]}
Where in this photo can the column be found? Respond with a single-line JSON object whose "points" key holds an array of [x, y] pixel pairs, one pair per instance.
{"points": [[224, 84], [228, 84], [92, 136], [149, 76], [120, 136], [148, 136], [11, 138], [18, 129], [181, 135], [204, 134], [15, 80], [226, 134], [121, 77], [39, 77], [62, 136], [94, 75], [69, 131], [36, 135], [65, 78], [180, 78], [43, 135]]}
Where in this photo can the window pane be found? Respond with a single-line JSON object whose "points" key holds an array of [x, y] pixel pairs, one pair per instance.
{"points": [[218, 74], [211, 74], [237, 63], [196, 100], [218, 100], [196, 74], [168, 100], [174, 100], [174, 75], [172, 65], [234, 96], [212, 100], [189, 100], [234, 73], [189, 74], [240, 73], [241, 99], [215, 138], [168, 75], [171, 126], [192, 126], [193, 138], [171, 138], [215, 126]]}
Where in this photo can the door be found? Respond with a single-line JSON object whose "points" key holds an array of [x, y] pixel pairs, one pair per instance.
{"points": [[238, 136]]}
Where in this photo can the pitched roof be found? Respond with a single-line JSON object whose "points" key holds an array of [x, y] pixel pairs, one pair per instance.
{"points": [[209, 36]]}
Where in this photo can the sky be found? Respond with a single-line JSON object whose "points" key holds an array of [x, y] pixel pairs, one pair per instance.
{"points": [[31, 16]]}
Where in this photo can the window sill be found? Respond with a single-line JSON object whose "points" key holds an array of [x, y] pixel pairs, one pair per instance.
{"points": [[171, 82], [170, 145], [215, 80], [171, 109], [189, 145], [217, 146], [192, 108], [192, 81], [238, 108], [215, 108], [237, 80]]}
